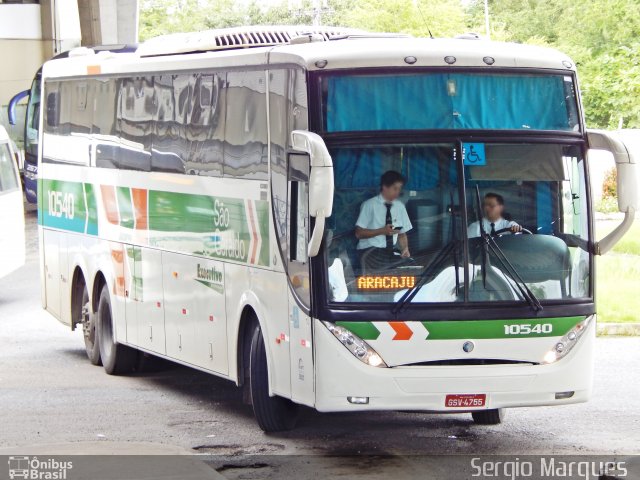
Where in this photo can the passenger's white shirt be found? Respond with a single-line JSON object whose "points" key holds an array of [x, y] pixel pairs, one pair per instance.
{"points": [[373, 214], [474, 229]]}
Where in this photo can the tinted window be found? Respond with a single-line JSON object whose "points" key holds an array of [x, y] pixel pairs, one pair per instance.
{"points": [[135, 123], [103, 130], [53, 108], [205, 129], [170, 148], [81, 106], [68, 120], [175, 123], [449, 101], [245, 148]]}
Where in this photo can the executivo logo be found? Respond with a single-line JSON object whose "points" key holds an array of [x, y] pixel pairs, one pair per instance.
{"points": [[210, 277], [38, 469]]}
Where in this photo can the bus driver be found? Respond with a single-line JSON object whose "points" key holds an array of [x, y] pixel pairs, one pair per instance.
{"points": [[382, 222], [493, 205]]}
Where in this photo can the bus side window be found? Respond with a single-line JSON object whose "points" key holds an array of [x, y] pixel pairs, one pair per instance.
{"points": [[103, 129], [53, 109], [299, 224], [205, 130], [245, 142], [168, 152], [135, 123]]}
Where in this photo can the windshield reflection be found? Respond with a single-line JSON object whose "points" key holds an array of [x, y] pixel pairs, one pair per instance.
{"points": [[399, 230]]}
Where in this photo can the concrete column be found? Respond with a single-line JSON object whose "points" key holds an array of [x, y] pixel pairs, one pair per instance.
{"points": [[108, 22], [60, 25]]}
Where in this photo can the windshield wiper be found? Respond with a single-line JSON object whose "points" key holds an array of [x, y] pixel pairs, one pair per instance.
{"points": [[489, 243], [442, 254]]}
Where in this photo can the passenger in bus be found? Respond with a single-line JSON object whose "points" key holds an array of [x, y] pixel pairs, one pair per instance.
{"points": [[383, 222], [493, 206]]}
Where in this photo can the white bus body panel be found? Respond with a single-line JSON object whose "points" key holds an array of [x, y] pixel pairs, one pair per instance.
{"points": [[302, 367], [340, 375]]}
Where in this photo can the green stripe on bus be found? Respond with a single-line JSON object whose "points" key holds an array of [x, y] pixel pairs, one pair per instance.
{"points": [[180, 212], [262, 212], [92, 209], [62, 205], [125, 207], [364, 330], [477, 329], [222, 226], [485, 329]]}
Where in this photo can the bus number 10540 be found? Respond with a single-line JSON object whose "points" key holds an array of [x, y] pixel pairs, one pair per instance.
{"points": [[527, 329], [61, 204]]}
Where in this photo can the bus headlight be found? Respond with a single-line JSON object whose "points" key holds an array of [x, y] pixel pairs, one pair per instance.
{"points": [[358, 347], [565, 344]]}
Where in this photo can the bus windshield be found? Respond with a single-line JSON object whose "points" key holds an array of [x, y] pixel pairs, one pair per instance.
{"points": [[449, 100], [468, 222]]}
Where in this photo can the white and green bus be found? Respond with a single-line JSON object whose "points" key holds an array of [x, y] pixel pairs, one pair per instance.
{"points": [[198, 200]]}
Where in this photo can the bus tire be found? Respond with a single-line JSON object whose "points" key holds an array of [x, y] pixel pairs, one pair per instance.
{"points": [[492, 416], [89, 333], [116, 358], [273, 414]]}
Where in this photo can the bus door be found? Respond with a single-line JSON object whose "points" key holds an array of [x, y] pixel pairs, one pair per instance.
{"points": [[301, 353]]}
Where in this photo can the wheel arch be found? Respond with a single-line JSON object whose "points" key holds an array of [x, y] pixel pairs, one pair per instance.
{"points": [[248, 318], [99, 280], [78, 283]]}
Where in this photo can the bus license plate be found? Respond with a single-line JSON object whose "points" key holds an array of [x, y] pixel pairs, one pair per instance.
{"points": [[465, 400]]}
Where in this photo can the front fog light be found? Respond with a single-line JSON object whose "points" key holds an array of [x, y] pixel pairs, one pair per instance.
{"points": [[358, 347], [567, 342]]}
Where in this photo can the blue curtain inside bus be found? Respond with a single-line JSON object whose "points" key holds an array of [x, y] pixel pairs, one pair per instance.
{"points": [[450, 101]]}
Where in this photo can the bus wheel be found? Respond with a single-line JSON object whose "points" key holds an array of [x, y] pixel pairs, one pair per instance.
{"points": [[116, 358], [488, 417], [89, 329], [273, 414]]}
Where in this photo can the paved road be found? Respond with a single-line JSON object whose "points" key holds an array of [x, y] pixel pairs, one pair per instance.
{"points": [[53, 400]]}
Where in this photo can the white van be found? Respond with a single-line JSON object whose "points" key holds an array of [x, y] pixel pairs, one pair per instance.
{"points": [[11, 209]]}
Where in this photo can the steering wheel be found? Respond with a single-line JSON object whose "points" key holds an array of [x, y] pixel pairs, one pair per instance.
{"points": [[502, 231]]}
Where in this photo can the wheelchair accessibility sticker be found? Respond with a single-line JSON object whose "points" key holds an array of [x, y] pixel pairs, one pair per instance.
{"points": [[473, 154]]}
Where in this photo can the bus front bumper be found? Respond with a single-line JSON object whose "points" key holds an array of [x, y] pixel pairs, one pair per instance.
{"points": [[342, 379]]}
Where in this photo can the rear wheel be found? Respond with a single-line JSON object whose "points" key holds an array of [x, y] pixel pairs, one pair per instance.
{"points": [[89, 329], [273, 414], [116, 358], [488, 417]]}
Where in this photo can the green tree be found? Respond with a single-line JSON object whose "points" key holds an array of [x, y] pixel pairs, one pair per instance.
{"points": [[602, 36]]}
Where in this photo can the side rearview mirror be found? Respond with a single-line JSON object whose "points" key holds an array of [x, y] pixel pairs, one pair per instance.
{"points": [[11, 108], [321, 187], [627, 158]]}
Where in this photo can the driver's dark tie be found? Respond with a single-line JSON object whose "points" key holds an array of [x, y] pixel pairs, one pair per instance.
{"points": [[493, 228], [388, 221]]}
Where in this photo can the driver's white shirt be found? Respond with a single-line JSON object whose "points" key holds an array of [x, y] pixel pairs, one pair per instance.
{"points": [[474, 229]]}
